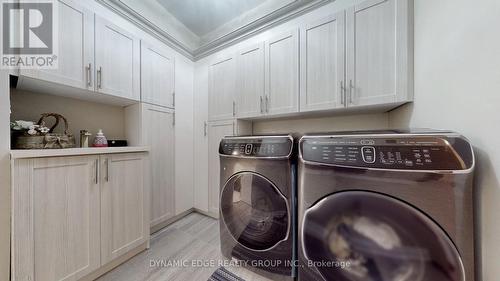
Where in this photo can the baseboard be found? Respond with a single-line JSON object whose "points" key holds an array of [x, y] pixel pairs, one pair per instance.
{"points": [[208, 214], [159, 226], [118, 261]]}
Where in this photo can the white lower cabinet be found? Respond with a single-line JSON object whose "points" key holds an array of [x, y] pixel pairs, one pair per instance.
{"points": [[72, 215], [124, 212]]}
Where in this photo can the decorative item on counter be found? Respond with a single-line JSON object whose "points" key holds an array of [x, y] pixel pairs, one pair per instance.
{"points": [[28, 135], [100, 140], [84, 138], [117, 143]]}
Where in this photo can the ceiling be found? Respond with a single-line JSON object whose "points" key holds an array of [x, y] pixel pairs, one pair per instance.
{"points": [[204, 16], [197, 28]]}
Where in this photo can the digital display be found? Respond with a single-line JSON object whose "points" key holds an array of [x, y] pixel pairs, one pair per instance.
{"points": [[256, 147]]}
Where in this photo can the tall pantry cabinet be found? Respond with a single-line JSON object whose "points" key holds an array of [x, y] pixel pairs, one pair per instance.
{"points": [[152, 123], [214, 132]]}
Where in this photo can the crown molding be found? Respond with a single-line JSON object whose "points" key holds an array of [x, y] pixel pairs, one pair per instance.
{"points": [[284, 14]]}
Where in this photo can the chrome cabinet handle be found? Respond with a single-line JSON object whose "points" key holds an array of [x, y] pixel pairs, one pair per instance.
{"points": [[99, 78], [173, 119], [107, 170], [96, 164], [261, 109], [351, 88], [173, 99], [234, 108], [89, 74], [342, 93], [205, 125], [267, 104]]}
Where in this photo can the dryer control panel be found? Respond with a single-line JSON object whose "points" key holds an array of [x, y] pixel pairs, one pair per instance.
{"points": [[260, 147], [415, 153]]}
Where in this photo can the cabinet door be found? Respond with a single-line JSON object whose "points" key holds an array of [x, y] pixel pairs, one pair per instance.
{"points": [[124, 217], [157, 76], [55, 233], [322, 63], [378, 52], [250, 81], [282, 73], [117, 61], [159, 134], [75, 48], [216, 131], [221, 88]]}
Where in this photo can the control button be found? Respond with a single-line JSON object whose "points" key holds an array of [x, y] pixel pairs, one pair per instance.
{"points": [[427, 155], [418, 155], [248, 149], [428, 161], [368, 153], [409, 163], [367, 142]]}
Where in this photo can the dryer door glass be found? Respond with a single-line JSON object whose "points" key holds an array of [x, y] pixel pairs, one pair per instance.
{"points": [[254, 211], [366, 236]]}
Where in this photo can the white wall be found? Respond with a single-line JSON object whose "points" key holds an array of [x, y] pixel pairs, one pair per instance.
{"points": [[323, 124], [4, 176], [457, 86]]}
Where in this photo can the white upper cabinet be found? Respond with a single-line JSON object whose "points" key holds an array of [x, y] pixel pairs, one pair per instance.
{"points": [[282, 73], [157, 76], [250, 81], [221, 89], [379, 52], [76, 48], [117, 61], [323, 63]]}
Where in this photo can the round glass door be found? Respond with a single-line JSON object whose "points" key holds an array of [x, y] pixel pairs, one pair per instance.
{"points": [[254, 211], [367, 236]]}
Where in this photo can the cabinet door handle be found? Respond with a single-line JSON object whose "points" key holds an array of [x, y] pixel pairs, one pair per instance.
{"points": [[99, 78], [173, 119], [107, 169], [234, 108], [261, 104], [173, 99], [267, 104], [342, 93], [96, 164], [205, 127], [351, 89], [89, 74]]}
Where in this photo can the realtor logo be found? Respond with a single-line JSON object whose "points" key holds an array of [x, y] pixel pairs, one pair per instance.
{"points": [[29, 34]]}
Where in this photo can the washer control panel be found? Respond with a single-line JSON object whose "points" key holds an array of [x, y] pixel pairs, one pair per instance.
{"points": [[265, 147], [416, 153]]}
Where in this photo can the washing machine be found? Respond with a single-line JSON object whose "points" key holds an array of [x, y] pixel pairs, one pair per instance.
{"points": [[386, 206], [257, 203]]}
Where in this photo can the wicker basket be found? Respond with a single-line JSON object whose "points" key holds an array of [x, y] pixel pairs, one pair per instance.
{"points": [[50, 140]]}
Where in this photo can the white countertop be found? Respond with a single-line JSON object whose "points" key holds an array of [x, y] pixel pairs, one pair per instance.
{"points": [[38, 153]]}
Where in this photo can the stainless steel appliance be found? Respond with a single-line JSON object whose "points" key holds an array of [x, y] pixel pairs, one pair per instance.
{"points": [[386, 205], [257, 221]]}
